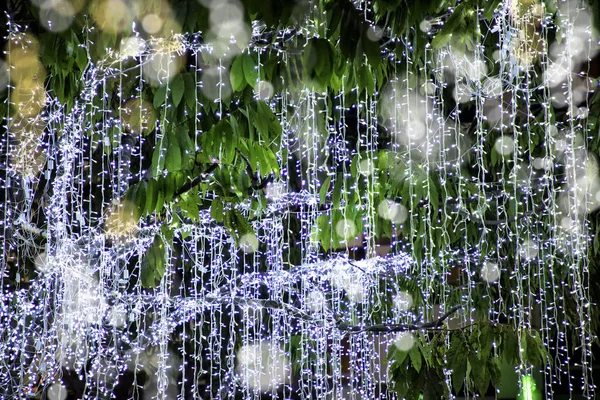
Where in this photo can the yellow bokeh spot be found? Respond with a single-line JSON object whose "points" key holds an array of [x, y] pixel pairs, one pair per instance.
{"points": [[138, 116], [28, 157], [29, 98], [121, 222], [165, 60], [112, 16], [23, 59]]}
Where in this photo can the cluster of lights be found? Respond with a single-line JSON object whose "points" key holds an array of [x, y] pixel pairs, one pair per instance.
{"points": [[233, 328]]}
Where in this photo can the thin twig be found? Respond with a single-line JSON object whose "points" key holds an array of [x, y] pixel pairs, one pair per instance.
{"points": [[386, 328], [196, 181]]}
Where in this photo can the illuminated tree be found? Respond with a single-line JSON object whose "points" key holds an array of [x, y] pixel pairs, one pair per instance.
{"points": [[302, 199]]}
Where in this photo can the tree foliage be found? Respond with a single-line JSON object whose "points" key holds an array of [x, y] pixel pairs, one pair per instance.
{"points": [[192, 167]]}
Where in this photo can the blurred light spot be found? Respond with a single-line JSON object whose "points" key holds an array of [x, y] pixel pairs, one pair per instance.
{"points": [[56, 392], [404, 341], [374, 33], [118, 316], [249, 243], [556, 74], [152, 23], [505, 145], [112, 16], [41, 263], [229, 34], [315, 300], [262, 366], [425, 26], [264, 90], [56, 15], [544, 163], [132, 47], [490, 272], [355, 291], [496, 55], [275, 190], [567, 223], [462, 93], [404, 113], [492, 87], [560, 145], [226, 11], [529, 250], [403, 301], [365, 167], [392, 211], [121, 223], [4, 76], [428, 88], [346, 229], [29, 98], [164, 62], [215, 84], [138, 116], [414, 132]]}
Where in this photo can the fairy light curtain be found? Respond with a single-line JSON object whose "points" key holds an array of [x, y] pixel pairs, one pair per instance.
{"points": [[143, 257]]}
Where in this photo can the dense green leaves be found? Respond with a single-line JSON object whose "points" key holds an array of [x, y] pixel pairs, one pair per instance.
{"points": [[471, 357], [154, 263]]}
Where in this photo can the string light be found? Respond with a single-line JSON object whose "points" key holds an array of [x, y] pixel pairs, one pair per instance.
{"points": [[236, 317]]}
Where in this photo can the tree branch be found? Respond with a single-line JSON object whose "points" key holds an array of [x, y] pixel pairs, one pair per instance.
{"points": [[196, 181], [386, 328]]}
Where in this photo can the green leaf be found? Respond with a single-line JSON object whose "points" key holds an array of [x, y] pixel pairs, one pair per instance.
{"points": [[190, 90], [261, 121], [367, 80], [425, 349], [140, 198], [434, 198], [160, 96], [495, 373], [153, 265], [216, 209], [510, 345], [159, 257], [151, 196], [160, 198], [400, 356], [337, 192], [324, 190], [323, 54], [177, 89], [81, 58], [457, 357], [236, 74], [173, 156], [147, 271], [372, 50], [189, 205], [415, 358], [250, 70]]}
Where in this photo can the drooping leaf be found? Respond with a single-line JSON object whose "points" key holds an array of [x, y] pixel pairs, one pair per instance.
{"points": [[190, 90], [216, 209], [250, 70], [479, 374], [173, 156], [177, 86], [324, 190], [151, 196], [415, 358], [236, 74], [160, 96], [189, 205]]}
